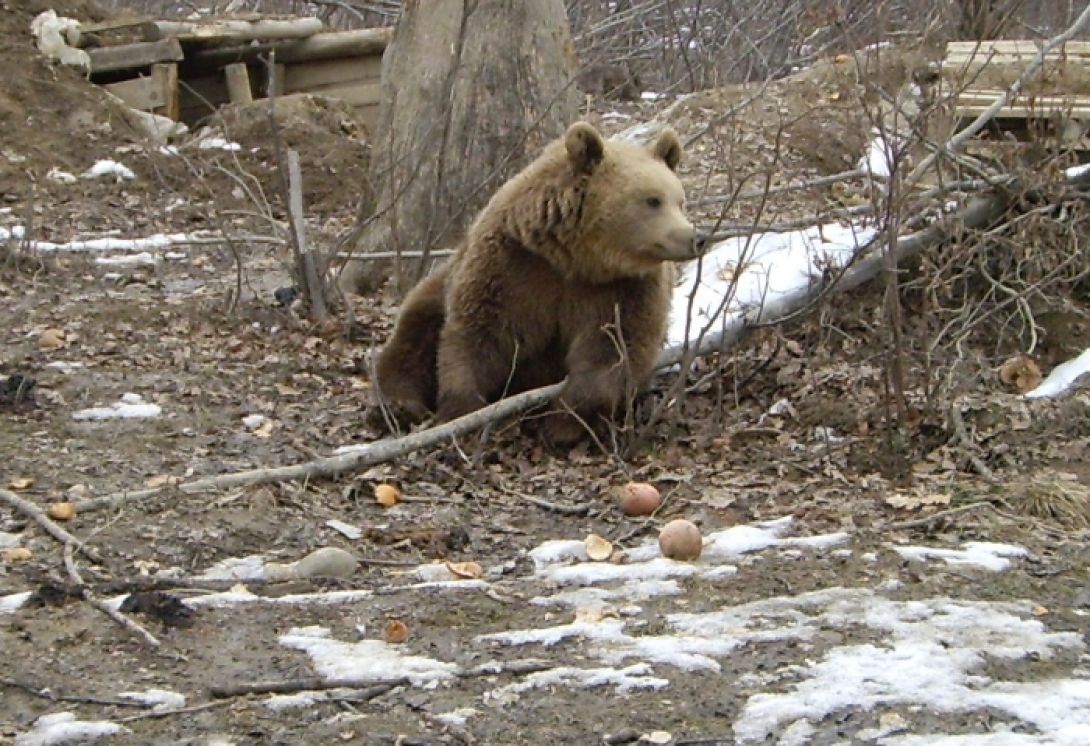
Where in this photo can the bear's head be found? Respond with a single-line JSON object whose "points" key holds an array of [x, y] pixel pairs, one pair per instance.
{"points": [[633, 211]]}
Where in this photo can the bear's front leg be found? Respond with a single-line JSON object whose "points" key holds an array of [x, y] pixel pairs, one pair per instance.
{"points": [[606, 368], [474, 370]]}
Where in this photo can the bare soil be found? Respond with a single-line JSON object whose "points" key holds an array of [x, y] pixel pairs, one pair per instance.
{"points": [[202, 336]]}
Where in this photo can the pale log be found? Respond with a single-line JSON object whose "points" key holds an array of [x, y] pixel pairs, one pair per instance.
{"points": [[333, 46], [134, 56], [264, 30]]}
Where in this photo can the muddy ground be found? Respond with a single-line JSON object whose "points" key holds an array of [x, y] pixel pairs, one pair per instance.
{"points": [[200, 333]]}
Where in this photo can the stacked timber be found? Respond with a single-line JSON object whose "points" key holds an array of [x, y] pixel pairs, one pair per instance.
{"points": [[1055, 102], [187, 70]]}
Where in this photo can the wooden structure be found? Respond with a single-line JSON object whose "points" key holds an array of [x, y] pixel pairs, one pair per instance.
{"points": [[185, 71], [1055, 103]]}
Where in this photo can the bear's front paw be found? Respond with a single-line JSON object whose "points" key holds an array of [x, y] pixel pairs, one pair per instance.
{"points": [[562, 430], [396, 416]]}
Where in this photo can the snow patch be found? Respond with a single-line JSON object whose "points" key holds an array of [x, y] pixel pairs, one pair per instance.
{"points": [[131, 406]]}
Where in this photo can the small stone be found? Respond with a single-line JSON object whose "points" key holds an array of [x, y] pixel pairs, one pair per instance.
{"points": [[327, 562]]}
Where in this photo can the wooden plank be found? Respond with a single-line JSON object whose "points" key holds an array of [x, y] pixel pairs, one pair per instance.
{"points": [[238, 84], [144, 94], [223, 31], [307, 76], [960, 54], [134, 56], [342, 44], [166, 75], [973, 103]]}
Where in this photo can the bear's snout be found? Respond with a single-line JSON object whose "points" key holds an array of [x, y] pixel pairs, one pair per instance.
{"points": [[701, 243]]}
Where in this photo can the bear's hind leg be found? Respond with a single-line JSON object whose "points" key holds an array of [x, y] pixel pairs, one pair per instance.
{"points": [[405, 371]]}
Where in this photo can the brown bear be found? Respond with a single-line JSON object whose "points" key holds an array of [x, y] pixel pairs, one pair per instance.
{"points": [[566, 273]]}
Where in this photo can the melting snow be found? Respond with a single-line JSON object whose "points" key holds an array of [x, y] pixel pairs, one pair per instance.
{"points": [[747, 271], [131, 406], [63, 728], [1062, 377], [365, 660], [108, 168], [981, 553]]}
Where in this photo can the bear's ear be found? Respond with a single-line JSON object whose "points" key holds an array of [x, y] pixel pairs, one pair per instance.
{"points": [[585, 147], [667, 148]]}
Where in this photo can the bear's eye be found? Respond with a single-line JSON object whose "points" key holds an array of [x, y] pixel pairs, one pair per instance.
{"points": [[654, 202]]}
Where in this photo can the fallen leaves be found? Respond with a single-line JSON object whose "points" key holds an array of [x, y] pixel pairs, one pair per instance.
{"points": [[1020, 372], [903, 501]]}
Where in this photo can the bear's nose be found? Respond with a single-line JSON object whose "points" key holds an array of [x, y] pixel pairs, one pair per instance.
{"points": [[702, 242]]}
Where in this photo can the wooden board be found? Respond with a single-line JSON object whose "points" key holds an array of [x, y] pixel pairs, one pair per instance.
{"points": [[144, 94], [307, 76], [973, 104], [134, 56], [963, 53]]}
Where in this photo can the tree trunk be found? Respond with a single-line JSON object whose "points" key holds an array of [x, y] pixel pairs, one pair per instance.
{"points": [[471, 91]]}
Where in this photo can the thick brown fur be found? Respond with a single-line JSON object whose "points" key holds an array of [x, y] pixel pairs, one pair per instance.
{"points": [[584, 237]]}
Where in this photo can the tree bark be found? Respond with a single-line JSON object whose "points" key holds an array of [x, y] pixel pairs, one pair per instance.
{"points": [[471, 91]]}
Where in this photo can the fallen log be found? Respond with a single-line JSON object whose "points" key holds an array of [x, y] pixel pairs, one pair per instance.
{"points": [[333, 46], [224, 31]]}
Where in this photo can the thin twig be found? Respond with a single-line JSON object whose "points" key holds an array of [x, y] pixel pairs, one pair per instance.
{"points": [[929, 519], [47, 693], [969, 445], [31, 510], [105, 608], [168, 713]]}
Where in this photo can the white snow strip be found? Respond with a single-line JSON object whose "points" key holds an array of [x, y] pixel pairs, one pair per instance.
{"points": [[625, 680], [980, 553], [108, 168], [882, 156], [240, 596], [143, 257], [1062, 377], [366, 660], [764, 267], [131, 406], [157, 241], [160, 700], [65, 366], [251, 567], [217, 143], [63, 728], [11, 603]]}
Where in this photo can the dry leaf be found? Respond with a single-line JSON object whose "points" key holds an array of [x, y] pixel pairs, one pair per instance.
{"points": [[62, 511], [1021, 372], [16, 554], [470, 570], [22, 483], [387, 495], [597, 548], [263, 430], [162, 480], [593, 615], [51, 339], [395, 631]]}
